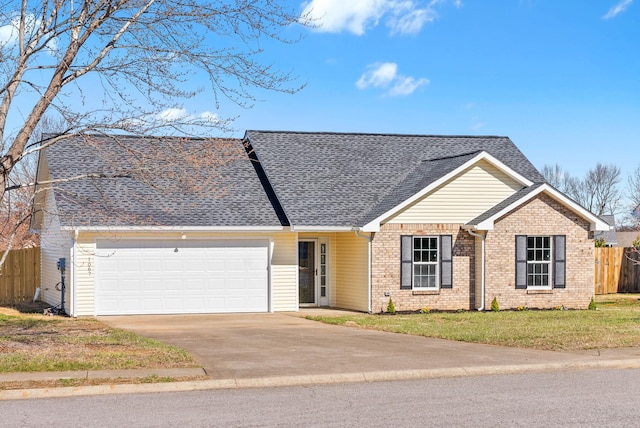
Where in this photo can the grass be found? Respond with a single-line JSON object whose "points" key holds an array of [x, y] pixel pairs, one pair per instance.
{"points": [[35, 343], [615, 324]]}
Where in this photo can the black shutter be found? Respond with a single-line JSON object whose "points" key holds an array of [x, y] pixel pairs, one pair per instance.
{"points": [[521, 262], [446, 265], [406, 262], [559, 261]]}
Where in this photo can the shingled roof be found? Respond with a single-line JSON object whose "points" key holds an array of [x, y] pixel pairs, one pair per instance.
{"points": [[347, 179], [156, 181]]}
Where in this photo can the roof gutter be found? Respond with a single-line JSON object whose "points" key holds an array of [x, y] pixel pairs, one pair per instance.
{"points": [[482, 282], [173, 228]]}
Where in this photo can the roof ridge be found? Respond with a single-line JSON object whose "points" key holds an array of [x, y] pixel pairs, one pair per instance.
{"points": [[139, 137], [381, 134]]}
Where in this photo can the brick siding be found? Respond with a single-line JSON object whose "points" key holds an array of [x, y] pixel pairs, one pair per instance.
{"points": [[385, 270], [540, 216]]}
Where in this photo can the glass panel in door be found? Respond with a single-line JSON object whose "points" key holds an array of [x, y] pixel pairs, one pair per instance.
{"points": [[306, 272]]}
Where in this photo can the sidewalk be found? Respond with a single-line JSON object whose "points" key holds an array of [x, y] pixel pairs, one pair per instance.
{"points": [[269, 350]]}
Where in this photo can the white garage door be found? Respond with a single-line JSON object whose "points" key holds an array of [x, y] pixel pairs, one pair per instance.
{"points": [[181, 276]]}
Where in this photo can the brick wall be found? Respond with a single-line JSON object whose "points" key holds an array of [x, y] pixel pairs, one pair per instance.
{"points": [[540, 216], [385, 274]]}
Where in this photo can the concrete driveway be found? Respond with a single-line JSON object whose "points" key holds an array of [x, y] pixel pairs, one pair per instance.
{"points": [[264, 345]]}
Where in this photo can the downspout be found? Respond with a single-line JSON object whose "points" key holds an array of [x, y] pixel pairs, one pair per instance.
{"points": [[72, 276], [482, 284], [369, 238]]}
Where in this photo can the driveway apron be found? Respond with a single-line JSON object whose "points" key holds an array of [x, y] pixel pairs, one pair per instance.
{"points": [[238, 346]]}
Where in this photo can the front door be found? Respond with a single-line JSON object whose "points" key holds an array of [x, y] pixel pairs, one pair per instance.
{"points": [[307, 273], [313, 273]]}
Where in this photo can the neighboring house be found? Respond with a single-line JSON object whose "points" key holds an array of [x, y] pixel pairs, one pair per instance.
{"points": [[310, 219], [626, 238], [610, 237]]}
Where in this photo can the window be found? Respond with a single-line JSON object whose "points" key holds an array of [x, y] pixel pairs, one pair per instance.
{"points": [[538, 261], [425, 262]]}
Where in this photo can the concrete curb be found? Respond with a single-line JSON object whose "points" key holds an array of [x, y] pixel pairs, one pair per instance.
{"points": [[101, 374], [280, 381]]}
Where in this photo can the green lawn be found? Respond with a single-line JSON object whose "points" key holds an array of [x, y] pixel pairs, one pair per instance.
{"points": [[616, 323], [33, 343]]}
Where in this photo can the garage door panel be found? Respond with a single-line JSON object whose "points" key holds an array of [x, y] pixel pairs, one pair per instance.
{"points": [[150, 277], [195, 284], [173, 284], [172, 304], [152, 285], [194, 265], [173, 265], [152, 265]]}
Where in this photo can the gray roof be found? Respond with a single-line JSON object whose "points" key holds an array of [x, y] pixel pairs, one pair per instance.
{"points": [[161, 181], [610, 237], [626, 238], [504, 204], [347, 180]]}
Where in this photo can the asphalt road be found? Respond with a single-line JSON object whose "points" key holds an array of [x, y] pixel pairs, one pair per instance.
{"points": [[602, 398]]}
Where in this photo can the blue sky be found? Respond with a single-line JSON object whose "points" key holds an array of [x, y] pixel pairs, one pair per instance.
{"points": [[561, 78]]}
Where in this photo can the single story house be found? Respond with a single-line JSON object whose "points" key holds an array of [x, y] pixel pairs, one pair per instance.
{"points": [[277, 221]]}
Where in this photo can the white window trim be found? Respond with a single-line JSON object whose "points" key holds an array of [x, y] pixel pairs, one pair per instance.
{"points": [[436, 263], [549, 262]]}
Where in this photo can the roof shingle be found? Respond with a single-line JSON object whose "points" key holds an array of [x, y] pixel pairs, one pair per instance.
{"points": [[162, 181], [344, 180]]}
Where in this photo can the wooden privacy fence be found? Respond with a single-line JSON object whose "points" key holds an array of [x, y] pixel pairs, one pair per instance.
{"points": [[617, 270], [20, 276]]}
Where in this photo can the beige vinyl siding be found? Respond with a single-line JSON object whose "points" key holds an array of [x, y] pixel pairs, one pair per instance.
{"points": [[284, 272], [283, 264], [84, 266], [462, 198], [54, 244], [351, 272]]}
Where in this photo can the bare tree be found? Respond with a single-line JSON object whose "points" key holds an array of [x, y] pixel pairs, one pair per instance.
{"points": [[598, 191], [558, 178], [633, 188], [15, 207], [127, 66]]}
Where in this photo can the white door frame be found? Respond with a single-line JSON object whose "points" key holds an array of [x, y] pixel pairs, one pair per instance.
{"points": [[320, 275]]}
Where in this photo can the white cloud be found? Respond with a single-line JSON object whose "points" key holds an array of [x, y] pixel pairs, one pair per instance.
{"points": [[385, 75], [617, 9], [356, 16], [378, 75], [208, 116], [9, 32], [335, 16], [407, 85], [411, 22], [172, 114]]}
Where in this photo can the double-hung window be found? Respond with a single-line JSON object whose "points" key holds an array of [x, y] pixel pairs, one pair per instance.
{"points": [[426, 262], [540, 262]]}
